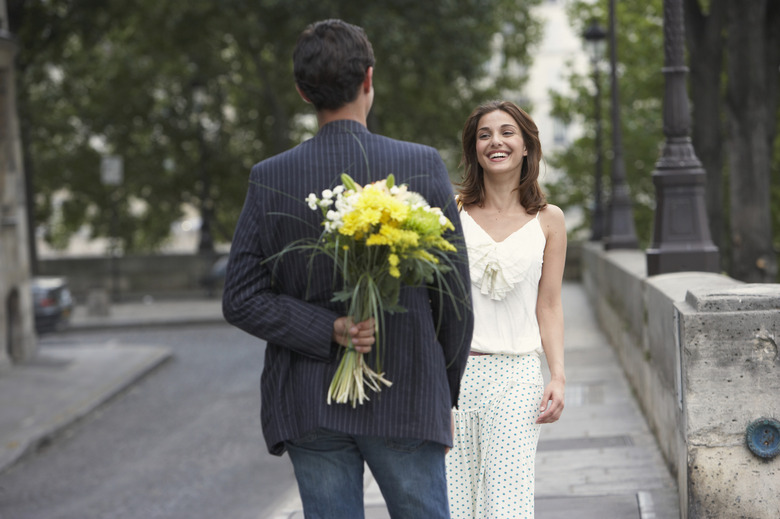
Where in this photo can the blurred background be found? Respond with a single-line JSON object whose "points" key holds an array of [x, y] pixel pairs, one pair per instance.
{"points": [[140, 120]]}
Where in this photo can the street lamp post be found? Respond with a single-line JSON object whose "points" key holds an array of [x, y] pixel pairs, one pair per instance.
{"points": [[621, 233], [595, 39], [681, 234]]}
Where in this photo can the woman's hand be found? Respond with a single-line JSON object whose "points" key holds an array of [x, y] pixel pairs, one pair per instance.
{"points": [[362, 333], [552, 402]]}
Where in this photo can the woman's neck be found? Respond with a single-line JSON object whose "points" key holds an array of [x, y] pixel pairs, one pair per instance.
{"points": [[501, 198]]}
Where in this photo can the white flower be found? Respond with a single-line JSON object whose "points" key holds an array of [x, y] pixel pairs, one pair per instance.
{"points": [[312, 201], [338, 189], [327, 194]]}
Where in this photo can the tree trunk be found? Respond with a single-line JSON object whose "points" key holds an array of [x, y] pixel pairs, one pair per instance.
{"points": [[773, 65], [704, 34], [15, 11], [750, 126]]}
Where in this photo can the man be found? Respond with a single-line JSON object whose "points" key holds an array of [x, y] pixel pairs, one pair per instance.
{"points": [[403, 432]]}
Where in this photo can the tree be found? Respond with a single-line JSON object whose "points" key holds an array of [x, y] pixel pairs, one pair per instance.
{"points": [[191, 94], [753, 60], [704, 39], [734, 56], [639, 42], [744, 38]]}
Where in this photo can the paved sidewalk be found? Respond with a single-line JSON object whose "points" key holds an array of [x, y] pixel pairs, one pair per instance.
{"points": [[600, 461], [63, 384]]}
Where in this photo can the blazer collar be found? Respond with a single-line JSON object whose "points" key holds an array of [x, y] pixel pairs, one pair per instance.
{"points": [[342, 126]]}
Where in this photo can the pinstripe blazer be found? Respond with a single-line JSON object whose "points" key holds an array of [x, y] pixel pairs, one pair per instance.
{"points": [[288, 303]]}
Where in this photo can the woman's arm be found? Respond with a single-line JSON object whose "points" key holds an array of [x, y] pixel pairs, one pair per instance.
{"points": [[549, 311]]}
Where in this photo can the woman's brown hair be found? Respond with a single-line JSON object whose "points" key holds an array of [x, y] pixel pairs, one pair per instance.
{"points": [[472, 189]]}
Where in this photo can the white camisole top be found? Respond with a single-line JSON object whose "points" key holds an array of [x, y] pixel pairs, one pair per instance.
{"points": [[504, 286]]}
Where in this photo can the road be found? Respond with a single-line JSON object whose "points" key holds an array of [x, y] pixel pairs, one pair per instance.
{"points": [[184, 442]]}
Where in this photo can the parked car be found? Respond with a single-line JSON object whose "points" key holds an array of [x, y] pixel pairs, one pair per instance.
{"points": [[53, 303]]}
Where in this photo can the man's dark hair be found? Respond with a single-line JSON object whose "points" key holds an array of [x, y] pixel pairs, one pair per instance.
{"points": [[330, 62]]}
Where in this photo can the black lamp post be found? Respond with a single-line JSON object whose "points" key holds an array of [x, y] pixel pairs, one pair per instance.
{"points": [[595, 41], [681, 234], [621, 233]]}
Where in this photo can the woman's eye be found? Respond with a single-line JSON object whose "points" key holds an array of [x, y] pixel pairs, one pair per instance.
{"points": [[483, 136], [508, 133]]}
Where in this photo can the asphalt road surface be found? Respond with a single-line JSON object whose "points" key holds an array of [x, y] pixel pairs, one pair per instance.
{"points": [[182, 443]]}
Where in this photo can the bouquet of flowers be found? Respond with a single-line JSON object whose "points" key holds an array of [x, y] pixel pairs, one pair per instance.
{"points": [[379, 237]]}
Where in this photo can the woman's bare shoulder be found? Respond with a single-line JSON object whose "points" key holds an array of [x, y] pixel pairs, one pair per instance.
{"points": [[552, 214]]}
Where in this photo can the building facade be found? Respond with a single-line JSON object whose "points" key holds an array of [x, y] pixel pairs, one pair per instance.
{"points": [[17, 334]]}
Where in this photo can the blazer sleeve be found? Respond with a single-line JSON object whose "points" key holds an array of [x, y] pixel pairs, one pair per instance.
{"points": [[453, 316], [250, 302]]}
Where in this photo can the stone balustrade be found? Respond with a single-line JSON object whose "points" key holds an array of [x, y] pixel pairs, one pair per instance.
{"points": [[701, 353]]}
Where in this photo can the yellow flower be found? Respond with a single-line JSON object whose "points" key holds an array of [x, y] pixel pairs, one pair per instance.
{"points": [[424, 254], [394, 237], [394, 260], [444, 245]]}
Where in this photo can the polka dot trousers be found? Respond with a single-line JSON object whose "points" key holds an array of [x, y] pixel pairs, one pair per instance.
{"points": [[490, 470]]}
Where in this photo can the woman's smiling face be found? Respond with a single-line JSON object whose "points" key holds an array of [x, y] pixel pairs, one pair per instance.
{"points": [[500, 146]]}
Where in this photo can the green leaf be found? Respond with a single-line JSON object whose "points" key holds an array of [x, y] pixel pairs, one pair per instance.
{"points": [[348, 182]]}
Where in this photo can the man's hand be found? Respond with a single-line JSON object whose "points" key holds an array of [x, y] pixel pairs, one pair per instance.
{"points": [[362, 333]]}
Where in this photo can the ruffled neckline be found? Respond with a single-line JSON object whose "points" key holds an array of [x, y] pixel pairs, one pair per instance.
{"points": [[496, 266]]}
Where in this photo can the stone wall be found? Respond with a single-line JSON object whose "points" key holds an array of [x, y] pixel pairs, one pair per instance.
{"points": [[168, 275], [700, 351], [132, 277]]}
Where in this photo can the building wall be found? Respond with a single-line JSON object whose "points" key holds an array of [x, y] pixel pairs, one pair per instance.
{"points": [[559, 48]]}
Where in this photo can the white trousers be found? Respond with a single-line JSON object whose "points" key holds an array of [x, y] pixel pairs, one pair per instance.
{"points": [[490, 470]]}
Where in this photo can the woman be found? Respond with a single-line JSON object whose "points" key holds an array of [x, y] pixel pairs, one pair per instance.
{"points": [[516, 244]]}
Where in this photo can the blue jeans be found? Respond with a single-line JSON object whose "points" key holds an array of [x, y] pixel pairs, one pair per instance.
{"points": [[329, 468]]}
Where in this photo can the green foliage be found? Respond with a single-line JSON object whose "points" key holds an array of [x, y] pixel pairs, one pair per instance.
{"points": [[641, 84], [639, 36], [191, 94]]}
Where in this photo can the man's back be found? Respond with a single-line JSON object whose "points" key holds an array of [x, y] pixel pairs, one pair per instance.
{"points": [[298, 372]]}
